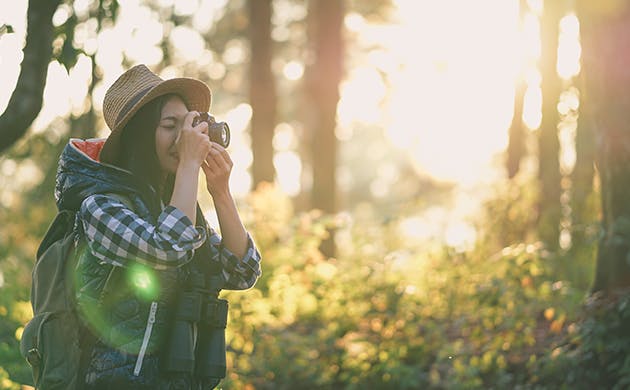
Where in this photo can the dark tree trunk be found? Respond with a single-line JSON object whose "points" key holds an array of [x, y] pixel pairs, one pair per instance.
{"points": [[322, 83], [262, 91], [26, 100], [606, 60], [549, 212], [583, 172], [517, 134]]}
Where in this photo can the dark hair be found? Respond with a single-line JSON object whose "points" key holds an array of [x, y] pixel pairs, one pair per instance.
{"points": [[137, 152]]}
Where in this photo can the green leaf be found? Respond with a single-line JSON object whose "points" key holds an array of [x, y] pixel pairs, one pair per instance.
{"points": [[6, 29]]}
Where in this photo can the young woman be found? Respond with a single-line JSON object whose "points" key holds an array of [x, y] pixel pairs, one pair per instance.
{"points": [[146, 239]]}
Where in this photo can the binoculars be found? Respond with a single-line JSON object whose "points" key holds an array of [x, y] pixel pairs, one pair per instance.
{"points": [[218, 132], [197, 342]]}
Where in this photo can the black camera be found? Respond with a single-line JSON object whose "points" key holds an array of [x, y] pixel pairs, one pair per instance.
{"points": [[218, 132], [197, 339]]}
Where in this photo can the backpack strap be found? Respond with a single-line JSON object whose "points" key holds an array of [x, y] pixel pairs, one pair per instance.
{"points": [[88, 339], [111, 283]]}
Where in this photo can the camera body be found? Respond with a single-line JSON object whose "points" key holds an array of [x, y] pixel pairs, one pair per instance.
{"points": [[219, 132]]}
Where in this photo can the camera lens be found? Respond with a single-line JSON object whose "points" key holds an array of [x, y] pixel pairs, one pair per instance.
{"points": [[225, 134]]}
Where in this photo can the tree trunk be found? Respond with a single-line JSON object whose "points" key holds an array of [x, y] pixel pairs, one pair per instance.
{"points": [[517, 134], [549, 212], [606, 60], [26, 100], [323, 78], [583, 172], [262, 91]]}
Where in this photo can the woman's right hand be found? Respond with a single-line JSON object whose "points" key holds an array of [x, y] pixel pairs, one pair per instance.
{"points": [[193, 143]]}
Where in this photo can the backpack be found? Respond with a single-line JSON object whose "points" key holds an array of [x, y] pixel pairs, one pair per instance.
{"points": [[50, 342], [55, 341]]}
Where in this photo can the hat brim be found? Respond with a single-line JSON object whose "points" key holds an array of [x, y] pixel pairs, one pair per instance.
{"points": [[196, 96]]}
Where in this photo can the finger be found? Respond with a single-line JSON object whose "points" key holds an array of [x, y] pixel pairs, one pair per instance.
{"points": [[206, 169], [207, 144], [188, 119], [212, 167], [220, 149], [203, 127], [218, 158], [223, 152]]}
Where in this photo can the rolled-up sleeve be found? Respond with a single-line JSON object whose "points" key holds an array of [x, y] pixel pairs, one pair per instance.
{"points": [[238, 273], [117, 235]]}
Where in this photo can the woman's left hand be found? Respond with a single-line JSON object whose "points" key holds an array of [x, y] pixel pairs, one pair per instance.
{"points": [[217, 168]]}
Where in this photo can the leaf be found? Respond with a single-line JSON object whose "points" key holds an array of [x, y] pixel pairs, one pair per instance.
{"points": [[6, 29], [549, 313]]}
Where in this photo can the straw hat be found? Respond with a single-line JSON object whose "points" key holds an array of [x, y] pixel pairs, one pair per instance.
{"points": [[136, 87]]}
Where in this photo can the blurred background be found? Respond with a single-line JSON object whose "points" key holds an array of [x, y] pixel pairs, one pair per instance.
{"points": [[419, 175]]}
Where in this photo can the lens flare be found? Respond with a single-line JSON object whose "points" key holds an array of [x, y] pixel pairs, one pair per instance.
{"points": [[143, 281]]}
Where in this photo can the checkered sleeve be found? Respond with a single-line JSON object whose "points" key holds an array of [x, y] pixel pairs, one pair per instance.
{"points": [[118, 236], [238, 273]]}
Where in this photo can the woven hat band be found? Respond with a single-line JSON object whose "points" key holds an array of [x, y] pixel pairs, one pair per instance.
{"points": [[131, 103]]}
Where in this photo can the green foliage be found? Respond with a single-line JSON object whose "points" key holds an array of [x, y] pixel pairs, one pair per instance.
{"points": [[66, 48], [27, 209], [387, 313], [15, 310], [509, 217], [595, 354], [390, 314], [66, 54]]}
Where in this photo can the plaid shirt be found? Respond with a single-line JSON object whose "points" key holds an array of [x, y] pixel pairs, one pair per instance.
{"points": [[118, 236]]}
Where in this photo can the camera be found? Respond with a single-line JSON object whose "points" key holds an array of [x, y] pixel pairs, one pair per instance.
{"points": [[218, 132]]}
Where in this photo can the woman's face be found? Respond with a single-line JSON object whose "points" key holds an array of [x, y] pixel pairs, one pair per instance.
{"points": [[171, 120]]}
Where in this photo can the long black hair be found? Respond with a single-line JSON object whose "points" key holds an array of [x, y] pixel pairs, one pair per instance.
{"points": [[137, 152]]}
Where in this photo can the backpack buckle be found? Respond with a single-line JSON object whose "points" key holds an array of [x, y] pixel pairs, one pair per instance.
{"points": [[33, 357]]}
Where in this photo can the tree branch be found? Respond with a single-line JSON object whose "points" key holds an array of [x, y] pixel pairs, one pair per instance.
{"points": [[26, 100]]}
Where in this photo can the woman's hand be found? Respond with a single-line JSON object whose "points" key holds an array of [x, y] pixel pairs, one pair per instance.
{"points": [[217, 168], [193, 144]]}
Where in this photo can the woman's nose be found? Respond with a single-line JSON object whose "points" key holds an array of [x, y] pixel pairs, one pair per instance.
{"points": [[175, 136]]}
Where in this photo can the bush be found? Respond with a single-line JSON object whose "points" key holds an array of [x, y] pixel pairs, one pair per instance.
{"points": [[387, 314], [595, 353]]}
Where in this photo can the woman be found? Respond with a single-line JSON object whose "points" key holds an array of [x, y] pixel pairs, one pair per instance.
{"points": [[146, 239]]}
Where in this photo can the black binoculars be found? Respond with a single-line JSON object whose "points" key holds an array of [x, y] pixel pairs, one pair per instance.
{"points": [[197, 342]]}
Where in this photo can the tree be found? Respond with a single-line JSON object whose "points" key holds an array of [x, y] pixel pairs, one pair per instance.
{"points": [[583, 172], [322, 80], [605, 27], [26, 100], [548, 142], [262, 91], [517, 134]]}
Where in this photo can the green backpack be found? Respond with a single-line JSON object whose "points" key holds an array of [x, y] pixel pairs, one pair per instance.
{"points": [[55, 342], [51, 340]]}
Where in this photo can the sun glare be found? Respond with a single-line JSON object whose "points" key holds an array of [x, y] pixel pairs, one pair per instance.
{"points": [[293, 70], [451, 95], [439, 80], [569, 49], [443, 82]]}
